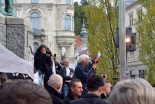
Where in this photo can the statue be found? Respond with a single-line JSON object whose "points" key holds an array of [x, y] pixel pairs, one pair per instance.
{"points": [[63, 51], [8, 8]]}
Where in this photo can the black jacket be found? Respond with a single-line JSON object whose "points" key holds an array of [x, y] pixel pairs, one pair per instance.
{"points": [[56, 98], [68, 98], [63, 74], [39, 61], [89, 99], [58, 68], [103, 96]]}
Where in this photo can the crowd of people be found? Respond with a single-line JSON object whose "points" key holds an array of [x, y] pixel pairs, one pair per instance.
{"points": [[69, 86]]}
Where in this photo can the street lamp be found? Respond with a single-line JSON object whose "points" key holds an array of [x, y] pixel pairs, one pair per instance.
{"points": [[128, 39]]}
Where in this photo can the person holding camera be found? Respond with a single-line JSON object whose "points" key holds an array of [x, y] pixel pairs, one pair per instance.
{"points": [[41, 57]]}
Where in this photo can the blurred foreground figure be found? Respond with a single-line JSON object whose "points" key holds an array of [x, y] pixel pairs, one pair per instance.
{"points": [[24, 92], [3, 80], [132, 91]]}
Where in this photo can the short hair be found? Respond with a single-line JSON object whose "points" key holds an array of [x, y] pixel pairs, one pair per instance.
{"points": [[66, 60], [55, 80], [82, 58], [94, 82], [73, 81], [24, 92], [132, 91]]}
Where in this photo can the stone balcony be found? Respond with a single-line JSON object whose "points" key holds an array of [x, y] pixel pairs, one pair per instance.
{"points": [[65, 38]]}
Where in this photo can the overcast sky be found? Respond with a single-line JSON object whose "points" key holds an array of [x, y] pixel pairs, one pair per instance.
{"points": [[77, 1]]}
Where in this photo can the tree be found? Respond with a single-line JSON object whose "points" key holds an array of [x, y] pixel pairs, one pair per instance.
{"points": [[146, 38], [84, 2], [102, 22], [79, 16], [77, 19]]}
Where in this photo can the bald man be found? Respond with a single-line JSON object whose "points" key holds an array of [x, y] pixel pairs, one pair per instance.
{"points": [[54, 88]]}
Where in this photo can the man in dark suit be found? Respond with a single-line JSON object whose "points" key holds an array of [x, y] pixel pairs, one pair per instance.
{"points": [[67, 74], [54, 88], [75, 91], [94, 86]]}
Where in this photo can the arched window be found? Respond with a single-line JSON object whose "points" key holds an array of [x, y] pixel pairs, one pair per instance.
{"points": [[34, 18], [36, 45], [68, 22], [68, 1], [34, 1]]}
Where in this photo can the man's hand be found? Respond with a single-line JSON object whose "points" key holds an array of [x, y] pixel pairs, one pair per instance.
{"points": [[72, 74], [94, 67], [56, 61]]}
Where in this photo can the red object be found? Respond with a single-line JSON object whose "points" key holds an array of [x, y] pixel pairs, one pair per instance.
{"points": [[78, 43], [95, 59]]}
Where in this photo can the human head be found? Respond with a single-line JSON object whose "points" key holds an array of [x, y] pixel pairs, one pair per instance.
{"points": [[84, 59], [24, 92], [132, 91], [95, 84], [42, 48], [76, 87], [55, 81], [104, 75], [66, 62], [106, 88], [3, 79]]}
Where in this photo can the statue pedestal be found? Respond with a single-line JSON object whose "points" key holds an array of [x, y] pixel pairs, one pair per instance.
{"points": [[17, 36]]}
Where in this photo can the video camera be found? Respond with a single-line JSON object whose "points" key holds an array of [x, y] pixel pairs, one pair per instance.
{"points": [[48, 52]]}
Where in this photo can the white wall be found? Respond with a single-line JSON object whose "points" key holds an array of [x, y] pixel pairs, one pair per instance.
{"points": [[52, 18], [134, 63]]}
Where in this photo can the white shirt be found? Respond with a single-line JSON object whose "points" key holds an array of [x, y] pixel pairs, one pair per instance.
{"points": [[67, 71]]}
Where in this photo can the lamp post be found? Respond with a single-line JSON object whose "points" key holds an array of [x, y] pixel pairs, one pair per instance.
{"points": [[122, 36]]}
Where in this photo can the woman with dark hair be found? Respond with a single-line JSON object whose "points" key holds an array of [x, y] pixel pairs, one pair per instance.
{"points": [[40, 61]]}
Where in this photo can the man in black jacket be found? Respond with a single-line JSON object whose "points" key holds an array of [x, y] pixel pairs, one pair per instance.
{"points": [[67, 74], [106, 90], [54, 88], [75, 91], [94, 86]]}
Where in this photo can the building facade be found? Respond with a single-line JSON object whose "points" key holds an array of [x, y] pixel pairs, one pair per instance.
{"points": [[52, 23], [135, 67]]}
